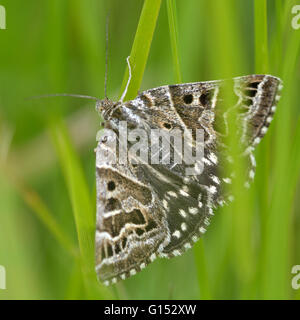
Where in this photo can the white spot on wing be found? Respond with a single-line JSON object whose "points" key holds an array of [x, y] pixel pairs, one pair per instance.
{"points": [[132, 272], [166, 205], [193, 210], [183, 226], [114, 280], [206, 221], [186, 180], [183, 193], [212, 189], [206, 161], [257, 140], [176, 253], [153, 257], [227, 180], [202, 230], [182, 213], [215, 179], [195, 238], [264, 130], [185, 189], [187, 245], [213, 158], [252, 159], [142, 265], [221, 203], [177, 234], [172, 194]]}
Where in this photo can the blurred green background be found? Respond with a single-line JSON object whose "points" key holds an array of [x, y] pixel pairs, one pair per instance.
{"points": [[47, 162]]}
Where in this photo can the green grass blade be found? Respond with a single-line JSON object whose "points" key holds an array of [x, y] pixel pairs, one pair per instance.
{"points": [[82, 207], [172, 18], [202, 274], [90, 33], [262, 182], [199, 252], [295, 163], [78, 191], [235, 262], [33, 200], [38, 207], [75, 287], [141, 47], [276, 263], [261, 36], [17, 252], [277, 46]]}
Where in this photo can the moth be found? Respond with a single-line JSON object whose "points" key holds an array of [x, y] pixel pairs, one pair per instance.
{"points": [[145, 210]]}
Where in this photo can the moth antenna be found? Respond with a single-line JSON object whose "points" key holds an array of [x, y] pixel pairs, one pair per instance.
{"points": [[106, 57], [63, 95], [128, 82]]}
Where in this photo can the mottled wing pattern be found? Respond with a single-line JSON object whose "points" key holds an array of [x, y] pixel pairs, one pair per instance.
{"points": [[131, 226], [187, 200], [145, 210]]}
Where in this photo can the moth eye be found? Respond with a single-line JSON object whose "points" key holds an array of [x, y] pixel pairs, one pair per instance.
{"points": [[104, 139], [167, 125], [205, 98], [111, 186], [188, 98]]}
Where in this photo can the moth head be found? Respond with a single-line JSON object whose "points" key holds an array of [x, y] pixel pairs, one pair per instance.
{"points": [[105, 106]]}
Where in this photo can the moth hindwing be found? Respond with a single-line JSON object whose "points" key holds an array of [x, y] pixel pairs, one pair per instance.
{"points": [[147, 209]]}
